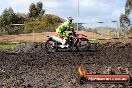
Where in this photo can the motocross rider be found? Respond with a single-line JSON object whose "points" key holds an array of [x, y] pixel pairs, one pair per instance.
{"points": [[61, 31]]}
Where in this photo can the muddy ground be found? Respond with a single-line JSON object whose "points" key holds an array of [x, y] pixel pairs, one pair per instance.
{"points": [[29, 66]]}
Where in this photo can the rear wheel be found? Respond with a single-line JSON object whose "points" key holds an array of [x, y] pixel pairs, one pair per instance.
{"points": [[50, 46]]}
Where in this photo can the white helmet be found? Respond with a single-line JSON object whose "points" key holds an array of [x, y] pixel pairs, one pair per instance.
{"points": [[69, 19]]}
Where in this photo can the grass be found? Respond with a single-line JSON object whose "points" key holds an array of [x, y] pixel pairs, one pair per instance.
{"points": [[10, 44], [7, 45]]}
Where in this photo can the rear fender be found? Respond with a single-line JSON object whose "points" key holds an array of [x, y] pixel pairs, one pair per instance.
{"points": [[81, 35]]}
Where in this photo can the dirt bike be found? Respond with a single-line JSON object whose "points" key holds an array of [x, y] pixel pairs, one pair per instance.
{"points": [[76, 42]]}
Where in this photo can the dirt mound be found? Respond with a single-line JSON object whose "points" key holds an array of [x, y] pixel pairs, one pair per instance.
{"points": [[28, 66]]}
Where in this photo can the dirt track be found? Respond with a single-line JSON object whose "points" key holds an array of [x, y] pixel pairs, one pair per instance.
{"points": [[28, 66], [40, 37]]}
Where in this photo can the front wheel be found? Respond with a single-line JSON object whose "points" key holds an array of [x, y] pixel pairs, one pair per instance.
{"points": [[83, 45], [50, 46]]}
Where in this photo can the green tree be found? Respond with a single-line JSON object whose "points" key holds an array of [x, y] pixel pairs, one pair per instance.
{"points": [[32, 10], [39, 7], [124, 20], [128, 7], [36, 10], [7, 16], [129, 3], [19, 18], [7, 19]]}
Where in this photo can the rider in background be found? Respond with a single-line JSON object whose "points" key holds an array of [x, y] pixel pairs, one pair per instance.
{"points": [[61, 31]]}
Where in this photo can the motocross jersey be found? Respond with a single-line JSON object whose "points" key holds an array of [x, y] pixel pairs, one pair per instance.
{"points": [[62, 28]]}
